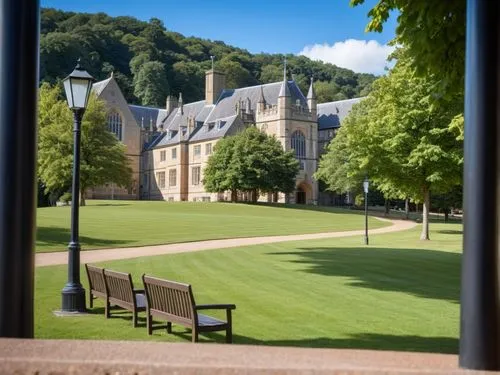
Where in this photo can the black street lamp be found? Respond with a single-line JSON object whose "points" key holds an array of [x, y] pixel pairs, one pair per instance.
{"points": [[366, 184], [77, 87]]}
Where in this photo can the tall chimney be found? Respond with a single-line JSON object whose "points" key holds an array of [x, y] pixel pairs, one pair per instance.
{"points": [[171, 104], [214, 84]]}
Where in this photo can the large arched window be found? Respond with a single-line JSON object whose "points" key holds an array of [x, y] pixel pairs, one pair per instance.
{"points": [[299, 144], [115, 125]]}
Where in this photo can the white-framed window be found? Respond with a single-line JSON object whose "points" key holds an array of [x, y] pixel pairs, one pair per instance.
{"points": [[115, 124], [299, 144], [195, 175], [197, 150], [160, 178], [174, 153], [208, 149], [172, 177], [205, 199], [163, 155], [171, 199]]}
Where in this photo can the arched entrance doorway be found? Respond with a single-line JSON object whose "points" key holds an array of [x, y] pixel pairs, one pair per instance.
{"points": [[303, 193], [300, 196]]}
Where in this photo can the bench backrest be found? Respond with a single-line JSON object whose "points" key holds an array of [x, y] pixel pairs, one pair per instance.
{"points": [[172, 298], [96, 278], [119, 286]]}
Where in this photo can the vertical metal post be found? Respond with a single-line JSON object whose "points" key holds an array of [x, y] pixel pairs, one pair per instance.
{"points": [[480, 304], [19, 31], [73, 293], [366, 218]]}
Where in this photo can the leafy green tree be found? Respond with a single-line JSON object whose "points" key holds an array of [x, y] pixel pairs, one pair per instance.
{"points": [[103, 158], [432, 31], [151, 85], [400, 136], [250, 161]]}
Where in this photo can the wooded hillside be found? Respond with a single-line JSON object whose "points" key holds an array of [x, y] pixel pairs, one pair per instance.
{"points": [[150, 62]]}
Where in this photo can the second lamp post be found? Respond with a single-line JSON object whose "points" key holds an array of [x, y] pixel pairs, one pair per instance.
{"points": [[77, 87], [366, 184]]}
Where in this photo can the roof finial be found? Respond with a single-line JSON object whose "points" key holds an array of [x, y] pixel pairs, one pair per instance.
{"points": [[212, 58], [112, 73], [284, 70], [311, 94]]}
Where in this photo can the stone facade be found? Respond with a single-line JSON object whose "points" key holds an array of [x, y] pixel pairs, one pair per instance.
{"points": [[169, 148]]}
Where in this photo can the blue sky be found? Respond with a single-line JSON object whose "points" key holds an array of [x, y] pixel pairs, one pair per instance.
{"points": [[275, 26]]}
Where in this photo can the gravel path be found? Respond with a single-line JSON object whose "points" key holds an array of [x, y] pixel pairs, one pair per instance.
{"points": [[93, 256]]}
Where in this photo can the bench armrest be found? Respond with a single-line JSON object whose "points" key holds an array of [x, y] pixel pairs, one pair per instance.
{"points": [[217, 306]]}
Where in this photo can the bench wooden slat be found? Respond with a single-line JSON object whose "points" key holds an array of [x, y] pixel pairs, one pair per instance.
{"points": [[121, 293], [174, 302], [97, 285]]}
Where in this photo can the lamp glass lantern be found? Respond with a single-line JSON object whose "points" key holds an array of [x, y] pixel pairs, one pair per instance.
{"points": [[366, 184], [77, 87]]}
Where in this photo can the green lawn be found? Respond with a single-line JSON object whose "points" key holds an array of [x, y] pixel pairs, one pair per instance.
{"points": [[124, 223], [397, 294]]}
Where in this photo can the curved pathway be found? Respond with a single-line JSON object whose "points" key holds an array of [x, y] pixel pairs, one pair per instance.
{"points": [[92, 256]]}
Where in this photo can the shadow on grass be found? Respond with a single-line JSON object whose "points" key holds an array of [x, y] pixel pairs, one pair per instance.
{"points": [[404, 343], [450, 231], [52, 236], [306, 207], [109, 204], [118, 313], [423, 273]]}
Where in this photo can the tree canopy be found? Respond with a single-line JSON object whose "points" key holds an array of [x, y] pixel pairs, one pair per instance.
{"points": [[103, 158], [401, 138], [250, 161], [135, 50], [433, 33]]}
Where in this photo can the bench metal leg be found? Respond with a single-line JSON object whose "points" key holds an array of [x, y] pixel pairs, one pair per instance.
{"points": [[229, 335], [107, 309], [150, 324], [91, 300], [169, 327], [134, 319], [195, 335]]}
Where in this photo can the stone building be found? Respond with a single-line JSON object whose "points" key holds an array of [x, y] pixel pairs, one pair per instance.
{"points": [[169, 147]]}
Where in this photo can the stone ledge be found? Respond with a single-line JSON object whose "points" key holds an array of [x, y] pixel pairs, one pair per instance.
{"points": [[138, 357]]}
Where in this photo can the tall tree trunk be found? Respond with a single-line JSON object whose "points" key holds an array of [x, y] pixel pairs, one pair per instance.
{"points": [[234, 195], [407, 208], [254, 195], [446, 214], [425, 214], [82, 197], [386, 212]]}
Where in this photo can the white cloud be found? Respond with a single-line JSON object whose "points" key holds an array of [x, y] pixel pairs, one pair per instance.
{"points": [[359, 55]]}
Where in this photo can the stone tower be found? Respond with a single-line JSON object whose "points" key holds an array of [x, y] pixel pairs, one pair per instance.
{"points": [[214, 84]]}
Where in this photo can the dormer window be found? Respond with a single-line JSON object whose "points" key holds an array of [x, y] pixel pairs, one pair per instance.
{"points": [[211, 126], [220, 124]]}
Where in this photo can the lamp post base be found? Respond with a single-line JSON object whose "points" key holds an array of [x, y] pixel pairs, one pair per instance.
{"points": [[366, 240], [73, 298]]}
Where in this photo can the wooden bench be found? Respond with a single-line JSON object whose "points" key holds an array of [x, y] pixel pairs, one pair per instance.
{"points": [[174, 302], [97, 284], [121, 292]]}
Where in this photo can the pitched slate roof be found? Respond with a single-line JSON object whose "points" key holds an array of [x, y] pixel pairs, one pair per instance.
{"points": [[226, 105], [207, 131], [144, 115], [98, 87], [331, 115], [176, 119], [165, 140]]}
